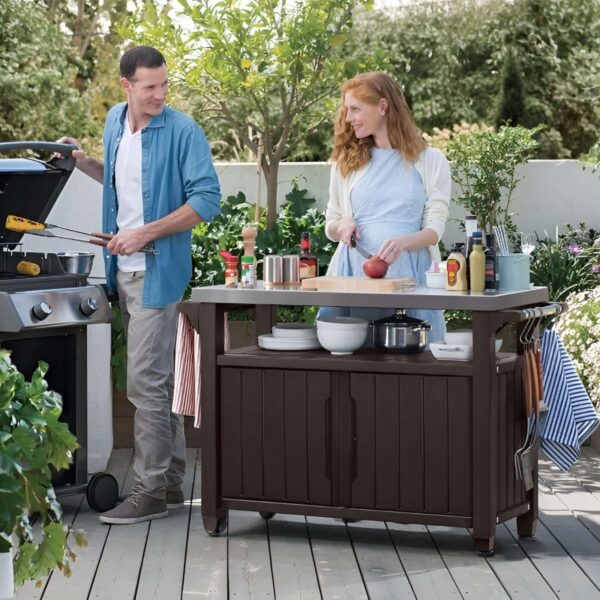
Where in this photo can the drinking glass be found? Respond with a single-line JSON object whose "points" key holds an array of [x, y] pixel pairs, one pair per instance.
{"points": [[527, 243]]}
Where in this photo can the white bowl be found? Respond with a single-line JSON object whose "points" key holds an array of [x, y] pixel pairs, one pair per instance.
{"points": [[341, 323], [342, 335], [294, 330], [435, 280]]}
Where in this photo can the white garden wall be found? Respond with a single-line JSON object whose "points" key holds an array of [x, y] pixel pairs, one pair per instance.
{"points": [[551, 193]]}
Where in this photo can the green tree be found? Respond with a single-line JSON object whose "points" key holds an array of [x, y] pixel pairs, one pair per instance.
{"points": [[266, 69], [559, 46], [449, 58], [445, 55], [511, 110], [37, 68]]}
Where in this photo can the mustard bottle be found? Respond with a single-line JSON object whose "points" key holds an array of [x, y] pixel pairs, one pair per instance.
{"points": [[456, 269], [477, 264]]}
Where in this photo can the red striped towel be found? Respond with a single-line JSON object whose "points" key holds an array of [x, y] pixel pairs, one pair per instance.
{"points": [[186, 395]]}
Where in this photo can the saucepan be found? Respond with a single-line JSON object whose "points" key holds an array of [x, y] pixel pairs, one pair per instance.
{"points": [[400, 333], [79, 263]]}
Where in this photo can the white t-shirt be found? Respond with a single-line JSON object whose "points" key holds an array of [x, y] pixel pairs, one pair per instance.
{"points": [[128, 182]]}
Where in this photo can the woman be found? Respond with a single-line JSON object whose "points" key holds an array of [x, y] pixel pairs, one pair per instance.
{"points": [[386, 184]]}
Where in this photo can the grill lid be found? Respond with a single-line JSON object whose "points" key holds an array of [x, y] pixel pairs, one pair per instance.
{"points": [[29, 187]]}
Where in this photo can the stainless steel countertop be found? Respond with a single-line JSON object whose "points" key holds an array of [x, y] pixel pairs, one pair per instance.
{"points": [[419, 297]]}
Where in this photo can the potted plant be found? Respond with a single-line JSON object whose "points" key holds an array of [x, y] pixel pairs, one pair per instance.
{"points": [[484, 165], [32, 440]]}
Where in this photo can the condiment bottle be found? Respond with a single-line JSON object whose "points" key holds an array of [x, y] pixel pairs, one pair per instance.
{"points": [[309, 264], [231, 268], [491, 273], [248, 278], [477, 264], [456, 269]]}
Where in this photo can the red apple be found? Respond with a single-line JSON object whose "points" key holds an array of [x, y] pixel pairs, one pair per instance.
{"points": [[375, 267]]}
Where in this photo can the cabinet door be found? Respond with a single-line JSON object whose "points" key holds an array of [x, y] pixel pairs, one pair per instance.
{"points": [[275, 435], [412, 443]]}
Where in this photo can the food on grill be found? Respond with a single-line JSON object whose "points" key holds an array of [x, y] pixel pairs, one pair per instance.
{"points": [[25, 267], [20, 224]]}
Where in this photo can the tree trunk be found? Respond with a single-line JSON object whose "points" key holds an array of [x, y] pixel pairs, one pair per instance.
{"points": [[271, 178]]}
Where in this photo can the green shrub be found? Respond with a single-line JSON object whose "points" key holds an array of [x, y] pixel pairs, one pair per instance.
{"points": [[579, 329], [32, 440], [568, 264]]}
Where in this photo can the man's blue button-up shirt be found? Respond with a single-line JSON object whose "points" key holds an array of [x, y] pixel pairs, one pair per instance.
{"points": [[176, 169]]}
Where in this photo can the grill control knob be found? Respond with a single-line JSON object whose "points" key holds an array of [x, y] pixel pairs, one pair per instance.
{"points": [[41, 311], [88, 306]]}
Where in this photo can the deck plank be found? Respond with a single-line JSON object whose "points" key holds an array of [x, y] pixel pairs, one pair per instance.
{"points": [[297, 557], [337, 569], [572, 535], [249, 560], [381, 569], [426, 571], [471, 573], [206, 557], [555, 565], [161, 576], [294, 574], [584, 505], [515, 571]]}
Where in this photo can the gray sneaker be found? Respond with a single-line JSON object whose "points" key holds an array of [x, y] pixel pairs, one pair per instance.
{"points": [[137, 507], [174, 499]]}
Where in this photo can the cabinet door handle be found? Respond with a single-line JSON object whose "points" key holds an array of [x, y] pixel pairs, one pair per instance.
{"points": [[328, 438], [354, 427]]}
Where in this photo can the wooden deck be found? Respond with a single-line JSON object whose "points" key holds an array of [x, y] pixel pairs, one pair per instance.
{"points": [[297, 557]]}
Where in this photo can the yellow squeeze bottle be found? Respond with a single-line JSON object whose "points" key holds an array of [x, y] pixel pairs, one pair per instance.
{"points": [[477, 264], [456, 271]]}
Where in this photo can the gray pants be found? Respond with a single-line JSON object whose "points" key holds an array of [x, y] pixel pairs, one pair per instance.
{"points": [[159, 439]]}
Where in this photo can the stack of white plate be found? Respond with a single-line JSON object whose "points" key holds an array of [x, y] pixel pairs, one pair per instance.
{"points": [[290, 336]]}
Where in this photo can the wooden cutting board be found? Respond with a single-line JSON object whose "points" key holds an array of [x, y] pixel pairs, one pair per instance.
{"points": [[356, 284]]}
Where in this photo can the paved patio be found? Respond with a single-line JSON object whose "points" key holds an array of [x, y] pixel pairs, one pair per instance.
{"points": [[297, 557]]}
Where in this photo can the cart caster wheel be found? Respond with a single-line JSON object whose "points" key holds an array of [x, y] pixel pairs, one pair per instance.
{"points": [[220, 527], [102, 492], [266, 515], [485, 553]]}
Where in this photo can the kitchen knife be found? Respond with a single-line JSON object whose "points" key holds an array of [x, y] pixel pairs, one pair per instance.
{"points": [[361, 250]]}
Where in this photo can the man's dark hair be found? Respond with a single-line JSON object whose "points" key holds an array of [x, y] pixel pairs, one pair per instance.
{"points": [[140, 56]]}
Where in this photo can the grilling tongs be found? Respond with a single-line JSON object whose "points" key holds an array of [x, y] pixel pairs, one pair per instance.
{"points": [[14, 223]]}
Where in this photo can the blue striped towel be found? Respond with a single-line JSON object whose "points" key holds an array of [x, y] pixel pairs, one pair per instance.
{"points": [[571, 416]]}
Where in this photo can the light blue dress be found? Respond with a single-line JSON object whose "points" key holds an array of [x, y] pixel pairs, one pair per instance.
{"points": [[388, 201]]}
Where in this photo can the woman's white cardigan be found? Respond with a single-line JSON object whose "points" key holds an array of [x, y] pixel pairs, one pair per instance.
{"points": [[434, 169]]}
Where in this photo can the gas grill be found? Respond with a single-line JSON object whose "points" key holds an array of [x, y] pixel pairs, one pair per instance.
{"points": [[45, 317]]}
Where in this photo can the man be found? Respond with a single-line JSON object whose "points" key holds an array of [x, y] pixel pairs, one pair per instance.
{"points": [[159, 181]]}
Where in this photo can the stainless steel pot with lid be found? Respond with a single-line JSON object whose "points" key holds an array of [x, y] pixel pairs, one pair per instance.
{"points": [[400, 333]]}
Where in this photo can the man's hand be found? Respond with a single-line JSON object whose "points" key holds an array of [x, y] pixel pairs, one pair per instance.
{"points": [[90, 166], [78, 155], [345, 228], [128, 241]]}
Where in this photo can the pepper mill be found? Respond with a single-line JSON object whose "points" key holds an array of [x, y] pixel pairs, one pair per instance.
{"points": [[249, 237]]}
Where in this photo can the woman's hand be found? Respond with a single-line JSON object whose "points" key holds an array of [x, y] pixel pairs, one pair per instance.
{"points": [[391, 249], [346, 227]]}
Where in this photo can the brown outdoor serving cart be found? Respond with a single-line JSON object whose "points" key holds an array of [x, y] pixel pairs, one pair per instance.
{"points": [[371, 435]]}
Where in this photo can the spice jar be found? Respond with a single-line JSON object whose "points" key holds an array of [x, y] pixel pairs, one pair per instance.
{"points": [[231, 269], [248, 278]]}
